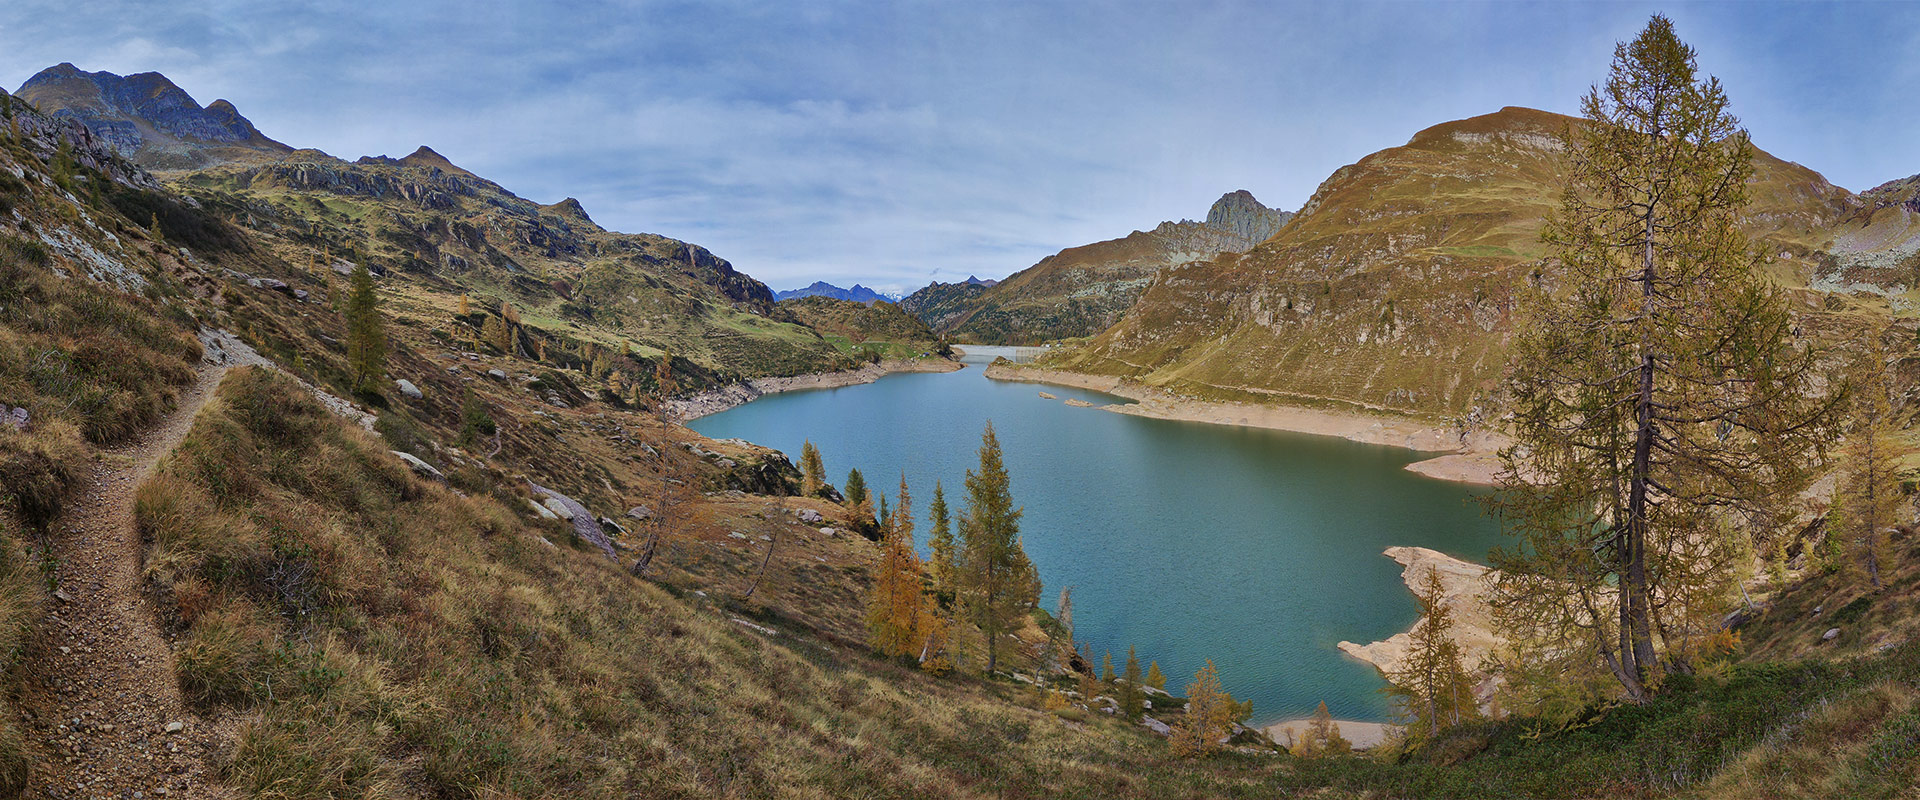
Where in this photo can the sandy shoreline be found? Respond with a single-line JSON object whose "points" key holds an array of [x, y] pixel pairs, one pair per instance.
{"points": [[1470, 459], [714, 401], [1362, 735]]}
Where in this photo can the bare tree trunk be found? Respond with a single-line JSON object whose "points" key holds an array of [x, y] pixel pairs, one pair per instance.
{"points": [[772, 543]]}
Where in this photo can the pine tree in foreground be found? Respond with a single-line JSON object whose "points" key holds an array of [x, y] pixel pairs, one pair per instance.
{"points": [[1000, 583], [1156, 678], [1866, 503], [943, 562], [366, 337], [1132, 698], [1658, 390]]}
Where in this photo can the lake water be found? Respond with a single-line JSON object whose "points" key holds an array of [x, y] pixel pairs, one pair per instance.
{"points": [[1258, 549]]}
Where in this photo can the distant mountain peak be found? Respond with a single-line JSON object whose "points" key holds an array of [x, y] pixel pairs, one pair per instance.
{"points": [[147, 117], [570, 208], [1238, 213]]}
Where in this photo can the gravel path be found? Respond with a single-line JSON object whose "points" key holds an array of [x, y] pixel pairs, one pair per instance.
{"points": [[102, 711]]}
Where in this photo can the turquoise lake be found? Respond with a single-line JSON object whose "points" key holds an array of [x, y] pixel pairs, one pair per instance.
{"points": [[1257, 549]]}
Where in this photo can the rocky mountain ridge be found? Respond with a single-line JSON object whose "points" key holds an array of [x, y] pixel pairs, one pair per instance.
{"points": [[858, 294], [147, 118], [1082, 290]]}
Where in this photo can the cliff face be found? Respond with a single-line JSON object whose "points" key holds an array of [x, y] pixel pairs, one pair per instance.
{"points": [[1395, 286], [1082, 290], [148, 119]]}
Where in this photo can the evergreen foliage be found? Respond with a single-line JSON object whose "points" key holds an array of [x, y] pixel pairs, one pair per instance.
{"points": [[366, 335], [1000, 583]]}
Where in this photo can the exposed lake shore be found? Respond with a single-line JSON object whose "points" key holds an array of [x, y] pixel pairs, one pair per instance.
{"points": [[714, 401], [1470, 459]]}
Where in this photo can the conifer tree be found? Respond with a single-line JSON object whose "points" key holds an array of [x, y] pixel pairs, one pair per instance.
{"points": [[494, 332], [466, 306], [856, 493], [1132, 699], [366, 338], [1323, 737], [1156, 678], [942, 545], [894, 610], [1106, 668], [1431, 688], [1209, 717], [1000, 583], [1657, 389], [1866, 503], [813, 474]]}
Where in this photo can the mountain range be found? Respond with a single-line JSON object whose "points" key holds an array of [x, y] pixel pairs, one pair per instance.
{"points": [[1080, 291], [441, 232], [1394, 287], [858, 294]]}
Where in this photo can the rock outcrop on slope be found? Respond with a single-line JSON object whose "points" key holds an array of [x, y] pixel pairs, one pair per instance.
{"points": [[148, 119], [1082, 290]]}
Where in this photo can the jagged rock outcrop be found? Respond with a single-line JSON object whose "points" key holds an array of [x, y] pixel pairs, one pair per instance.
{"points": [[1237, 213]]}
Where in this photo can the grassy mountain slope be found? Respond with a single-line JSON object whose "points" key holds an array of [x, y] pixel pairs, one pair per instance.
{"points": [[880, 327], [434, 232], [1395, 285], [1080, 291]]}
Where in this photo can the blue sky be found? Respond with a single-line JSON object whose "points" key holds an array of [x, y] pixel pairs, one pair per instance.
{"points": [[891, 143]]}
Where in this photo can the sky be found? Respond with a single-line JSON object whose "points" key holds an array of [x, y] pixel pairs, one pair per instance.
{"points": [[895, 143]]}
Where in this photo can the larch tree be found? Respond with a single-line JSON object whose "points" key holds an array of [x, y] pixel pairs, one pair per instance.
{"points": [[894, 604], [1867, 500], [366, 336], [1657, 391], [1323, 737], [495, 333], [940, 542], [1000, 583], [1431, 687], [1209, 717], [813, 473], [1133, 700], [1106, 668], [1156, 678]]}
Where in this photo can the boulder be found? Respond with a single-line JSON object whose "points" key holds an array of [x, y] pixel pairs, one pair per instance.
{"points": [[497, 374], [559, 509], [641, 513], [17, 419], [1156, 726], [542, 510], [811, 517], [421, 468], [1830, 635], [584, 524], [407, 388]]}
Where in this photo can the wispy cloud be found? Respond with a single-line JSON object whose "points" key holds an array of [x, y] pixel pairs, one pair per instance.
{"points": [[892, 142]]}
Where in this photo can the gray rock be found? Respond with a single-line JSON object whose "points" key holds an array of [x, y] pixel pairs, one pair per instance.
{"points": [[17, 419], [421, 468], [542, 510], [810, 516], [559, 509], [176, 727], [583, 521], [407, 388], [1156, 726], [496, 374], [641, 513], [1830, 635]]}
